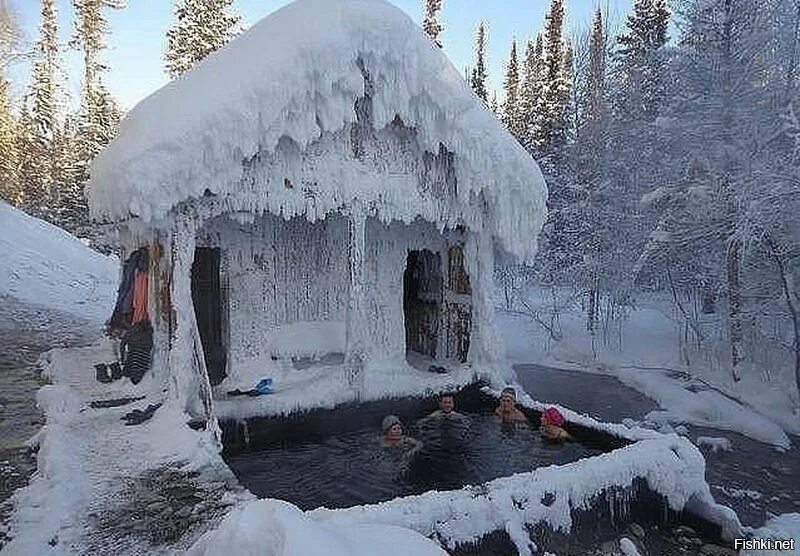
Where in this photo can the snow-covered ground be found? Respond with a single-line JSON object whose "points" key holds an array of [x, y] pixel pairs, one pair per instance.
{"points": [[42, 265], [782, 527], [644, 354]]}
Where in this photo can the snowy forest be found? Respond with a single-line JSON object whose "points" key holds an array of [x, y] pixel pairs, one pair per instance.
{"points": [[321, 247], [669, 140]]}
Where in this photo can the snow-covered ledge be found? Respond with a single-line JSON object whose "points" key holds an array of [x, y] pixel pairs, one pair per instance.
{"points": [[671, 466]]}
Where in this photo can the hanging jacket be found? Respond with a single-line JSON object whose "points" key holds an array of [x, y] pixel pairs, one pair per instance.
{"points": [[120, 318], [139, 297]]}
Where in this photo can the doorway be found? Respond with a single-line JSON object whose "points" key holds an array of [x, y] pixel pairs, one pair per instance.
{"points": [[207, 300], [422, 299]]}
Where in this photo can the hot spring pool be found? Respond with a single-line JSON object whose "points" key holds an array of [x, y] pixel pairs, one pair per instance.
{"points": [[334, 459]]}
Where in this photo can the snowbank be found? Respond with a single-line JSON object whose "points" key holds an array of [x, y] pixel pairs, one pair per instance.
{"points": [[670, 465], [782, 527], [277, 528], [45, 266], [286, 100], [646, 358]]}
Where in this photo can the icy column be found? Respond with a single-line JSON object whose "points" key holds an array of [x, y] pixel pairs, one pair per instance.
{"points": [[356, 320], [485, 345], [188, 377]]}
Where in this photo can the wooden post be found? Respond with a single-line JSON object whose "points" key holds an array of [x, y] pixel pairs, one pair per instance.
{"points": [[187, 370]]}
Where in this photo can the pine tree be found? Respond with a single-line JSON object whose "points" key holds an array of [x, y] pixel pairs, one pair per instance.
{"points": [[591, 143], [552, 105], [479, 72], [200, 28], [44, 179], [641, 63], [494, 105], [27, 161], [530, 91], [431, 23], [511, 112], [99, 116], [9, 35], [9, 161]]}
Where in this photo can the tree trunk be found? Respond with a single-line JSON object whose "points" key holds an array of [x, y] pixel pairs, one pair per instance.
{"points": [[793, 309], [735, 307]]}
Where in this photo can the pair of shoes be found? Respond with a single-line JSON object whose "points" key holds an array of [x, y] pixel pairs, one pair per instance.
{"points": [[108, 373], [102, 374], [437, 369], [138, 416]]}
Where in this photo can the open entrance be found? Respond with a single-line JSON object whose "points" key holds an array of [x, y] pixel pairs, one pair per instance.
{"points": [[422, 299], [207, 299]]}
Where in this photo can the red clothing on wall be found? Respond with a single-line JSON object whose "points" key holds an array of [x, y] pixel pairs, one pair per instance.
{"points": [[139, 297]]}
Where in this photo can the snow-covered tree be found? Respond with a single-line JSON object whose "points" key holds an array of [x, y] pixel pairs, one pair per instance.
{"points": [[200, 28], [511, 111], [494, 105], [431, 23], [479, 73], [552, 106], [725, 129], [530, 91], [99, 115], [44, 177], [9, 162]]}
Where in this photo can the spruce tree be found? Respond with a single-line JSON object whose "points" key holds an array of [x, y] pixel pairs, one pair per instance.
{"points": [[9, 161], [511, 117], [494, 106], [552, 105], [641, 64], [479, 72], [530, 91], [45, 176], [200, 28], [431, 23], [99, 115]]}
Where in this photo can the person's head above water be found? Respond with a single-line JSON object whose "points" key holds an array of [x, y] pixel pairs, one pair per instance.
{"points": [[447, 402], [392, 427], [508, 399], [552, 416]]}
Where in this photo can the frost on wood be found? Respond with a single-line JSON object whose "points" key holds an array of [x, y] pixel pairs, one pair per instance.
{"points": [[318, 168], [359, 105]]}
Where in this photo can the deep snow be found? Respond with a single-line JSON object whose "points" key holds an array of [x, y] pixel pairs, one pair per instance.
{"points": [[42, 265], [643, 354]]}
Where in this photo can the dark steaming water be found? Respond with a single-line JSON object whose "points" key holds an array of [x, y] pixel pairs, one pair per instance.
{"points": [[352, 468]]}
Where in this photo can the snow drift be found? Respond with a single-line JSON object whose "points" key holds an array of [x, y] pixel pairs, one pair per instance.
{"points": [[45, 266]]}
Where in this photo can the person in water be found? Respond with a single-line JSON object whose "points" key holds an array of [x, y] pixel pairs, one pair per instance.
{"points": [[394, 436], [507, 410], [447, 409], [552, 425]]}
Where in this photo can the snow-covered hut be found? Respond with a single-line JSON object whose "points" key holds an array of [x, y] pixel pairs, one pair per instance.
{"points": [[326, 183]]}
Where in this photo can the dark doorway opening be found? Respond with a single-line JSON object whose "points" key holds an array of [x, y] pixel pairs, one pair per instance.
{"points": [[207, 299], [422, 299]]}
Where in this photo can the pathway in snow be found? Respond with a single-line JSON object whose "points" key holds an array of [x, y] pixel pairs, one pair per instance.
{"points": [[25, 333], [752, 478], [106, 488]]}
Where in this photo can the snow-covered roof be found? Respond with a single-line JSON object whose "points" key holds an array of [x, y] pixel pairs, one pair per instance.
{"points": [[288, 85]]}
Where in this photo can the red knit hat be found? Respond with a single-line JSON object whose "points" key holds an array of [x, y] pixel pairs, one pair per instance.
{"points": [[552, 416]]}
